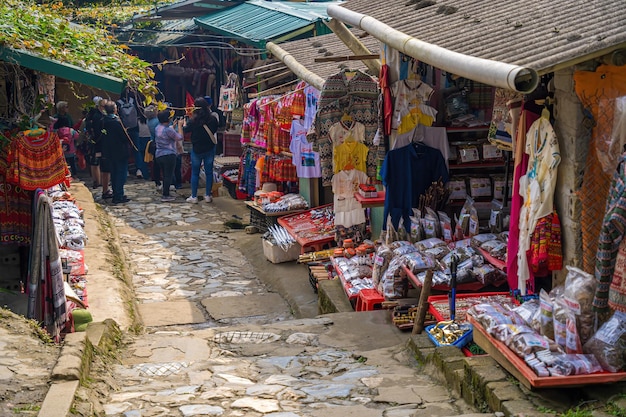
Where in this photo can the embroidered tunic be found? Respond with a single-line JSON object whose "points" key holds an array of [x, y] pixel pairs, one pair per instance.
{"points": [[36, 160], [537, 188]]}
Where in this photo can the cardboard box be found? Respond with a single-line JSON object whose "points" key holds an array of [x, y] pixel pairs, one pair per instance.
{"points": [[276, 255]]}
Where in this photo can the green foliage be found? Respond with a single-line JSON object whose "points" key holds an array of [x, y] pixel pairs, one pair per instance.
{"points": [[48, 31], [615, 410]]}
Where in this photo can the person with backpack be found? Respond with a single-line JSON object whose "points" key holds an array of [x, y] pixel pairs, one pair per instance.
{"points": [[202, 125], [115, 150], [128, 111], [94, 125]]}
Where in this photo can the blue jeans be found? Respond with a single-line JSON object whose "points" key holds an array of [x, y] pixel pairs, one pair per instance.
{"points": [[119, 172], [198, 159], [133, 133]]}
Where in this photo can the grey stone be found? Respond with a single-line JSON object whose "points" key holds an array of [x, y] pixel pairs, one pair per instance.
{"points": [[200, 409]]}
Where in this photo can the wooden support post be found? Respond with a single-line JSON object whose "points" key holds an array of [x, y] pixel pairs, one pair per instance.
{"points": [[418, 324]]}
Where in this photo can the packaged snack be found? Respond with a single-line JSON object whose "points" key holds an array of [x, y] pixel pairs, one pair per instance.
{"points": [[430, 243], [572, 340], [486, 274], [439, 278], [547, 314], [468, 154], [580, 288], [560, 313], [456, 188], [480, 239], [491, 152], [608, 344], [446, 226], [416, 233], [574, 364], [527, 342], [528, 310], [437, 252], [417, 262], [479, 187]]}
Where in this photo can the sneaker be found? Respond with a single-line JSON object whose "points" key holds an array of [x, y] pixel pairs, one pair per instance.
{"points": [[192, 199], [121, 201], [168, 198], [208, 198], [172, 188], [159, 187], [138, 174]]}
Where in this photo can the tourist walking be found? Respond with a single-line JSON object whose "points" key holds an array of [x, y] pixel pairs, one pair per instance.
{"points": [[115, 144], [166, 138], [202, 125]]}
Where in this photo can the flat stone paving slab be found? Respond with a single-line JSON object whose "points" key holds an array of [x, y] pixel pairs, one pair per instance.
{"points": [[170, 313], [245, 306]]}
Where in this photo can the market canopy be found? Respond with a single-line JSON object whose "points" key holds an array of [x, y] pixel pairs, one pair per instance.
{"points": [[545, 36], [255, 22], [62, 70]]}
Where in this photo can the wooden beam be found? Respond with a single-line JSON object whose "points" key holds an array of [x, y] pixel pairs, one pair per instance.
{"points": [[346, 58], [353, 43], [271, 64], [300, 70], [277, 76]]}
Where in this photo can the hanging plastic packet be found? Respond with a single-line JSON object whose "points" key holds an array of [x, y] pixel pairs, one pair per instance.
{"points": [[446, 226], [495, 217]]}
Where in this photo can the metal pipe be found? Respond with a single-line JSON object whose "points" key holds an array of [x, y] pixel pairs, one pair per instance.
{"points": [[495, 73], [297, 68]]}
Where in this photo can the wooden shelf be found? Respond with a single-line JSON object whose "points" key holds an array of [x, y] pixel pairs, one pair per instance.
{"points": [[462, 129], [478, 165], [520, 370]]}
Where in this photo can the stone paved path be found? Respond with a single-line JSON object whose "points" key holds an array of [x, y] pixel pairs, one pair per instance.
{"points": [[218, 343]]}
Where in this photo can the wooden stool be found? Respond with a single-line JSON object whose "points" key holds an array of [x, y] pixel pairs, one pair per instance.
{"points": [[368, 300]]}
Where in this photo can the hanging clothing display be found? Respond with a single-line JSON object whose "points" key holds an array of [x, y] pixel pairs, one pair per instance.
{"points": [[36, 160], [304, 158], [527, 118], [348, 211], [46, 292], [343, 129], [355, 93], [537, 188], [312, 95], [350, 155], [15, 209], [407, 173], [611, 288]]}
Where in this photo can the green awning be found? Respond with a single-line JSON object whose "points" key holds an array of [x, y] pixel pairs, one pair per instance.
{"points": [[62, 70], [256, 22]]}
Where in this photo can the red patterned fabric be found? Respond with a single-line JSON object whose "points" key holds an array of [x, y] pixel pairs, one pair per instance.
{"points": [[35, 160]]}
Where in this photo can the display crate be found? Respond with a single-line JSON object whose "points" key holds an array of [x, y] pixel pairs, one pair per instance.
{"points": [[516, 366], [438, 305], [276, 255], [231, 186], [460, 342], [312, 234], [262, 220]]}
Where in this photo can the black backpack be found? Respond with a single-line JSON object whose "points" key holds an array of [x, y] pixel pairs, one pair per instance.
{"points": [[128, 112]]}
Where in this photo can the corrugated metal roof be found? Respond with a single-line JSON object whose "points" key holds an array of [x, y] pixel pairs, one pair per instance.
{"points": [[258, 21], [540, 34], [305, 51], [172, 31]]}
